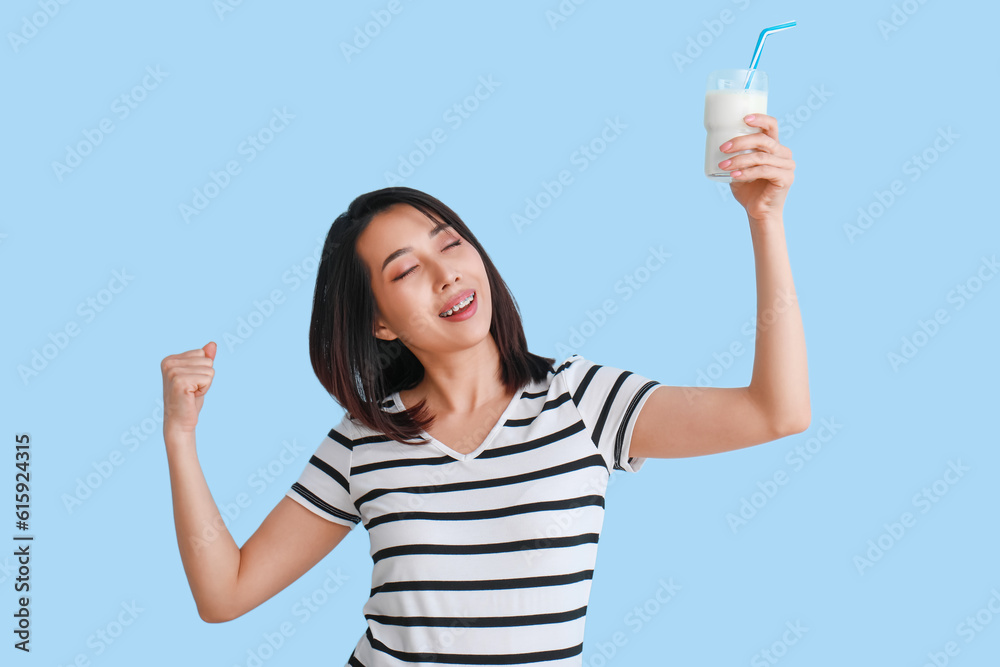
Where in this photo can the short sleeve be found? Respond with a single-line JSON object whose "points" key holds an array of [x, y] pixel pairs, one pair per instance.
{"points": [[324, 487], [609, 400]]}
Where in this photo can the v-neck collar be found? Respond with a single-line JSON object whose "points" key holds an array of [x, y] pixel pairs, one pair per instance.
{"points": [[398, 401]]}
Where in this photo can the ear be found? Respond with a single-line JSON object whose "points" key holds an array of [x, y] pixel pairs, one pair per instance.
{"points": [[380, 330]]}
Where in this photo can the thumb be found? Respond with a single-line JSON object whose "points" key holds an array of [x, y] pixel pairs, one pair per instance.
{"points": [[210, 349]]}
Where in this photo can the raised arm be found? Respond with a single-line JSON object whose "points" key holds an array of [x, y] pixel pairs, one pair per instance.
{"points": [[693, 421], [227, 581]]}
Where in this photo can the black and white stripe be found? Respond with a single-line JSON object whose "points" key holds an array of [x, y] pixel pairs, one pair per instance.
{"points": [[483, 559]]}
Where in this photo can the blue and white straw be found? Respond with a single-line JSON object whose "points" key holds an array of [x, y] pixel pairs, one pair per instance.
{"points": [[760, 47]]}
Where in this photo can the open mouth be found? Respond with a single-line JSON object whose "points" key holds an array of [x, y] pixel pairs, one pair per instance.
{"points": [[460, 306]]}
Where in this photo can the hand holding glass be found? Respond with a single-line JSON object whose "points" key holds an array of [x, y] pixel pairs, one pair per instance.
{"points": [[727, 101]]}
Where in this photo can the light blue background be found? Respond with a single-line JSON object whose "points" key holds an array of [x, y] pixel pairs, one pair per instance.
{"points": [[885, 99]]}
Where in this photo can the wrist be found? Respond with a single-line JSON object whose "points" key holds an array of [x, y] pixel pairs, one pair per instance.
{"points": [[765, 224], [177, 437]]}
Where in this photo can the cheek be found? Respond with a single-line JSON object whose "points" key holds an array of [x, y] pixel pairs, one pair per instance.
{"points": [[387, 307], [476, 266], [412, 311]]}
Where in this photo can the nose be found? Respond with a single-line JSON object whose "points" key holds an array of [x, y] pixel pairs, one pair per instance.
{"points": [[448, 275]]}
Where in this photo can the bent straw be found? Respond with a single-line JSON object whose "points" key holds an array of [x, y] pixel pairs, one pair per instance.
{"points": [[760, 47]]}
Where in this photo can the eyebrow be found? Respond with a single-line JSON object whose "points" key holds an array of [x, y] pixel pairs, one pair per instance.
{"points": [[402, 251]]}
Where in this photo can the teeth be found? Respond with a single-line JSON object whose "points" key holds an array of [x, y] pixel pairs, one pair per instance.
{"points": [[459, 306]]}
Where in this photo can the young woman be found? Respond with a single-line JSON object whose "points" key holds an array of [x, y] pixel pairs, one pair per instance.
{"points": [[478, 468]]}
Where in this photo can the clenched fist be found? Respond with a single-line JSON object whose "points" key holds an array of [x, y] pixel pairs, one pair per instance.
{"points": [[186, 378]]}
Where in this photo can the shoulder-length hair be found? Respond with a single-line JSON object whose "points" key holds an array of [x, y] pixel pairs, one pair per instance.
{"points": [[360, 370]]}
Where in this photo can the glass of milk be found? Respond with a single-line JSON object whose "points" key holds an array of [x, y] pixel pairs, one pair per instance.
{"points": [[727, 101]]}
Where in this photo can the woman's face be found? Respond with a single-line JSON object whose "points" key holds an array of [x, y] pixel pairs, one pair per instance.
{"points": [[418, 266]]}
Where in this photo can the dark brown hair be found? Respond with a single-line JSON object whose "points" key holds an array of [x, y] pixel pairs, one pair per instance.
{"points": [[361, 371]]}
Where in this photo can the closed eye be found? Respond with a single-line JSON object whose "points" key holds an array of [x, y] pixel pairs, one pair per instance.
{"points": [[410, 270]]}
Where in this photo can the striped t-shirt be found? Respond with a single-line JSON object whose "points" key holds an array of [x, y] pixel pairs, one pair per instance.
{"points": [[483, 558]]}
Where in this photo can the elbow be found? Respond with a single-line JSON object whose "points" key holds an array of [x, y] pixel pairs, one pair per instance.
{"points": [[215, 614], [785, 415], [792, 424], [212, 617]]}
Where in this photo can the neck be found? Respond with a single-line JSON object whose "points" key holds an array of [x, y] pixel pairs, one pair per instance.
{"points": [[460, 382]]}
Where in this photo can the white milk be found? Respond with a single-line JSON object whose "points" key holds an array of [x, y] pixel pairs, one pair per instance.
{"points": [[724, 112]]}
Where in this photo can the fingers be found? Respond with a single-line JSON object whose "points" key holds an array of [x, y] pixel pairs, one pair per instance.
{"points": [[770, 160], [188, 372], [748, 160], [185, 362], [767, 140], [779, 175], [184, 378], [203, 384], [199, 352], [187, 377], [769, 124], [205, 355], [200, 372], [757, 141]]}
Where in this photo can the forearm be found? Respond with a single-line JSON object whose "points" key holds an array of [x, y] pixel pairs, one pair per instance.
{"points": [[779, 383], [210, 555]]}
